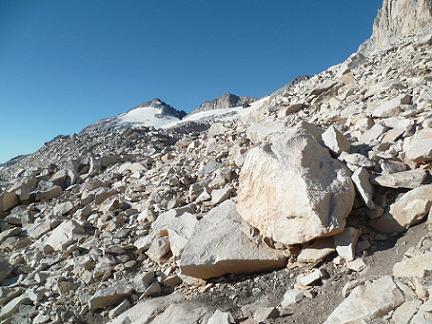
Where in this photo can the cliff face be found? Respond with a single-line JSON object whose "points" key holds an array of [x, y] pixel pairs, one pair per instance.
{"points": [[400, 18]]}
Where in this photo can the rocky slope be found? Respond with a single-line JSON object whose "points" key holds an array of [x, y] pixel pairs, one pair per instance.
{"points": [[310, 206]]}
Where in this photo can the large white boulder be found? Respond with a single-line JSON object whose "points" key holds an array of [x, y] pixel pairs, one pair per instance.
{"points": [[218, 246], [292, 190]]}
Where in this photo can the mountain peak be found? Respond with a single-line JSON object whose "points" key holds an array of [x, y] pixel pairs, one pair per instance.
{"points": [[227, 100]]}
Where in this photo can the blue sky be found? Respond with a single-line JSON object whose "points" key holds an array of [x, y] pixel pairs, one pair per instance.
{"points": [[65, 64]]}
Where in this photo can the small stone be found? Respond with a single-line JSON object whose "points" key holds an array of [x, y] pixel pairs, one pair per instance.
{"points": [[357, 265], [346, 243], [310, 278], [291, 297], [265, 313]]}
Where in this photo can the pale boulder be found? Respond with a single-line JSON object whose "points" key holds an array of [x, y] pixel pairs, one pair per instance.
{"points": [[367, 302], [406, 179], [218, 246], [178, 227], [407, 211], [8, 200], [418, 148], [392, 107], [335, 140], [64, 235], [292, 190], [360, 178], [416, 267]]}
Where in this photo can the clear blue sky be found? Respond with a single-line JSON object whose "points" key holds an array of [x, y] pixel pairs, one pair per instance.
{"points": [[67, 63]]}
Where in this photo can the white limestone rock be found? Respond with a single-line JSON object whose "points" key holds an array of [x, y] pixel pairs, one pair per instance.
{"points": [[218, 247], [292, 190]]}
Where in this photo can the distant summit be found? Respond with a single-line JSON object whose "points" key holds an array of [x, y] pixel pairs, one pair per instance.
{"points": [[153, 113], [228, 100], [166, 109]]}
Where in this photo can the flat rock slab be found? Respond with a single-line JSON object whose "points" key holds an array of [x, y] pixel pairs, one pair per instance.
{"points": [[218, 246], [368, 301], [406, 179]]}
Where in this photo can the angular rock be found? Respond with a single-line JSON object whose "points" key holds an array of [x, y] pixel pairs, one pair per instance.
{"points": [[291, 297], [12, 306], [392, 107], [51, 193], [179, 228], [184, 313], [218, 247], [318, 250], [64, 235], [418, 266], [293, 191], [218, 196], [335, 140], [109, 296], [8, 200], [309, 279], [221, 318], [407, 211], [357, 159], [368, 301], [406, 179], [418, 148], [361, 180], [372, 134], [346, 243]]}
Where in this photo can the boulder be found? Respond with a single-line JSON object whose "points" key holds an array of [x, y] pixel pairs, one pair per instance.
{"points": [[367, 302], [392, 107], [64, 235], [406, 179], [408, 210], [292, 190], [219, 317], [418, 148], [178, 227], [419, 266], [109, 296], [8, 200], [335, 140], [360, 178], [187, 312], [218, 247]]}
